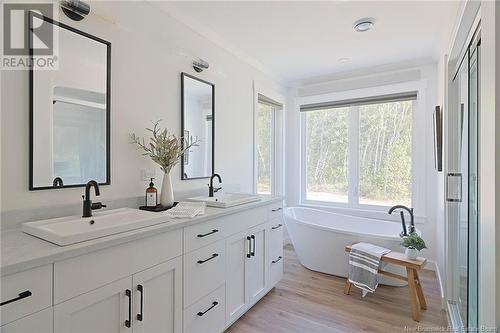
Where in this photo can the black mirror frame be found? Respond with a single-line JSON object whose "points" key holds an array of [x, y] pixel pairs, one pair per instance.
{"points": [[31, 106], [184, 75]]}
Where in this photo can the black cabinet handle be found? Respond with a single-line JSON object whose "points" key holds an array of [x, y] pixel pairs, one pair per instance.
{"points": [[249, 254], [215, 255], [140, 289], [277, 209], [277, 227], [214, 304], [208, 233], [253, 240], [128, 322], [278, 259], [22, 295]]}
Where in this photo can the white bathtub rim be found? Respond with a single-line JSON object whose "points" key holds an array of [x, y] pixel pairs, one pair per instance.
{"points": [[341, 231]]}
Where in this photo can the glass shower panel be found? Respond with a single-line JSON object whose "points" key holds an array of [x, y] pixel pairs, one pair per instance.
{"points": [[461, 268], [464, 223], [473, 190]]}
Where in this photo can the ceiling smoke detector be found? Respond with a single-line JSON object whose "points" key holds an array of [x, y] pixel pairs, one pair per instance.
{"points": [[364, 24]]}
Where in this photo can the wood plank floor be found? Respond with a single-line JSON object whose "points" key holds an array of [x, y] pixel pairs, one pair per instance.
{"points": [[306, 302]]}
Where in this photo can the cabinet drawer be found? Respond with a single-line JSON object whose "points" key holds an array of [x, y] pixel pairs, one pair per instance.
{"points": [[75, 276], [206, 315], [40, 322], [275, 270], [199, 235], [26, 292], [204, 271], [276, 239], [275, 210]]}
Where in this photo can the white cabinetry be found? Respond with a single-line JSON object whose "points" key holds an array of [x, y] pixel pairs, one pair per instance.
{"points": [[237, 252], [102, 310], [200, 278], [149, 301], [158, 298], [39, 322]]}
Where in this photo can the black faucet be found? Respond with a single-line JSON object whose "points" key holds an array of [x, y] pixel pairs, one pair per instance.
{"points": [[88, 206], [57, 182], [211, 189], [403, 223]]}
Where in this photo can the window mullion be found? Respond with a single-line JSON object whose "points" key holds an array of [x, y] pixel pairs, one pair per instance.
{"points": [[353, 165]]}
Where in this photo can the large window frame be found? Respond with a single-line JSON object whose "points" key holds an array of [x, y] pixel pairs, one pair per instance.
{"points": [[263, 94], [418, 151]]}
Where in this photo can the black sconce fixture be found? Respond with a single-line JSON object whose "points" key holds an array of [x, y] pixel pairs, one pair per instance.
{"points": [[75, 9], [199, 65]]}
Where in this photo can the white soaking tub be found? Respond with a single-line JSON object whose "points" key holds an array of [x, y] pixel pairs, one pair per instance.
{"points": [[319, 239]]}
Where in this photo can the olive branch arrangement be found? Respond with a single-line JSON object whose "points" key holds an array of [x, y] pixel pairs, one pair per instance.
{"points": [[164, 147]]}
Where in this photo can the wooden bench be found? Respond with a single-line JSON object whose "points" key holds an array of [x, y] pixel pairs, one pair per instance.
{"points": [[414, 285]]}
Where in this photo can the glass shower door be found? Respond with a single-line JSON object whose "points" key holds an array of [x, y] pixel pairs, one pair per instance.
{"points": [[464, 205]]}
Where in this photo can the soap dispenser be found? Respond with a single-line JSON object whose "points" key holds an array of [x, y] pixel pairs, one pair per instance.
{"points": [[151, 195]]}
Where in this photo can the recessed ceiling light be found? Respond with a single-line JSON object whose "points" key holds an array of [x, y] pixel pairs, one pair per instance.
{"points": [[343, 60], [364, 24]]}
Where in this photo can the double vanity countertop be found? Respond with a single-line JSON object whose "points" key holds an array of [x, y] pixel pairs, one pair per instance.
{"points": [[20, 251]]}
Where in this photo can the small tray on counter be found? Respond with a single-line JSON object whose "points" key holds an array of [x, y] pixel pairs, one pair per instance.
{"points": [[158, 208]]}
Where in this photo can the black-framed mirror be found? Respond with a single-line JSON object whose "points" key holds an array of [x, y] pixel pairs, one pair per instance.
{"points": [[70, 110], [198, 124]]}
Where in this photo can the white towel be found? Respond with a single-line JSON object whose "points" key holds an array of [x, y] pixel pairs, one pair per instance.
{"points": [[187, 209], [364, 262]]}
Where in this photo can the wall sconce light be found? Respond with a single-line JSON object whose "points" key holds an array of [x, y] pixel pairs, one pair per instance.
{"points": [[199, 65], [75, 9]]}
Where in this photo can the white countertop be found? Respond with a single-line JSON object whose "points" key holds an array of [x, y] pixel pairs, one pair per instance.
{"points": [[20, 251]]}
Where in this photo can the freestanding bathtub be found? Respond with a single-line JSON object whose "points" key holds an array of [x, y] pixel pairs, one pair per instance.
{"points": [[319, 239]]}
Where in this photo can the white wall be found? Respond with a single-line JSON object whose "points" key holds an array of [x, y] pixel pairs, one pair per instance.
{"points": [[426, 75], [149, 51]]}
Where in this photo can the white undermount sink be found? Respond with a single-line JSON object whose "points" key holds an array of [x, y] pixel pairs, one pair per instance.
{"points": [[73, 229], [226, 200]]}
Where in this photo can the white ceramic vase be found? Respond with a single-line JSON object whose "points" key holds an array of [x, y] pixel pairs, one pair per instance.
{"points": [[411, 253], [167, 193]]}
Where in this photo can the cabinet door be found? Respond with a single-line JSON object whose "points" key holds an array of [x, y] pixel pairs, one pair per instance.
{"points": [[40, 322], [237, 250], [105, 309], [256, 265], [158, 298]]}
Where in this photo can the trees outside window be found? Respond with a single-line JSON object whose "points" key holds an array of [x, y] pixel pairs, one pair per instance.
{"points": [[265, 147], [359, 154]]}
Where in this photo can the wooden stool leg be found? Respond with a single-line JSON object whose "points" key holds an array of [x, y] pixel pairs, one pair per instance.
{"points": [[347, 287], [413, 294], [420, 293]]}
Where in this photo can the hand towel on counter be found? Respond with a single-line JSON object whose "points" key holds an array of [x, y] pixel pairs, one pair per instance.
{"points": [[187, 209], [364, 263]]}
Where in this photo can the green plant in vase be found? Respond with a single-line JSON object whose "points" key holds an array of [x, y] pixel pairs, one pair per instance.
{"points": [[413, 244], [166, 150]]}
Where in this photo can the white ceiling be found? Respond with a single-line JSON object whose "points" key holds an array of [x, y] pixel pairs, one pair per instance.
{"points": [[300, 40]]}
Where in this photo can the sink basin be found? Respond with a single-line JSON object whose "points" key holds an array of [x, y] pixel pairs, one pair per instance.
{"points": [[74, 229], [227, 199]]}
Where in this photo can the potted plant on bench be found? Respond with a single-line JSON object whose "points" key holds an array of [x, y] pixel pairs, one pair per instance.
{"points": [[413, 243]]}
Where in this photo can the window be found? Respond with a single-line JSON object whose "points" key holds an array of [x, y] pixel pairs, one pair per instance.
{"points": [[265, 145], [359, 152]]}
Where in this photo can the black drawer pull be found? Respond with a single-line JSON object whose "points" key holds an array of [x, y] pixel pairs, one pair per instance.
{"points": [[215, 255], [208, 233], [277, 209], [128, 322], [277, 227], [253, 251], [214, 304], [140, 289], [249, 254], [22, 295], [278, 259]]}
